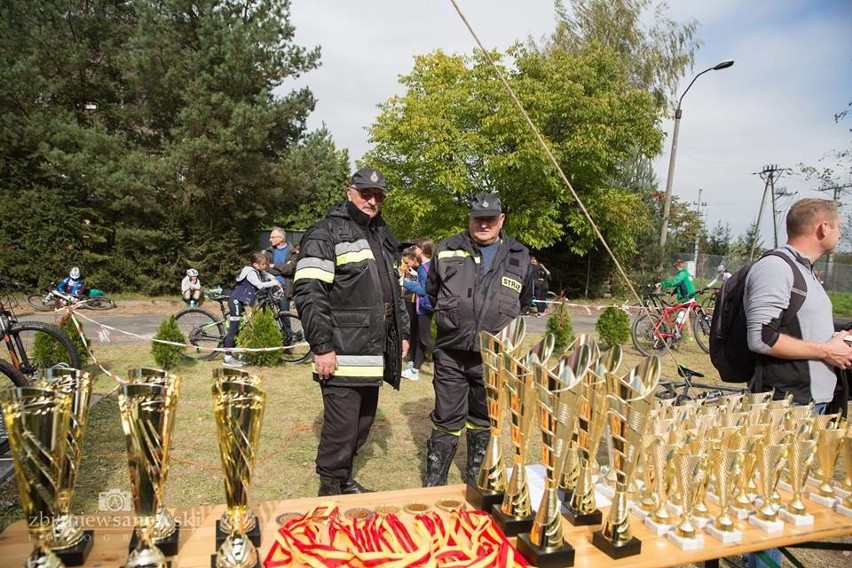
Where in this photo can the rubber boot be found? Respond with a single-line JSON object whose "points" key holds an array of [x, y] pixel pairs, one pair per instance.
{"points": [[440, 450], [329, 486], [477, 441]]}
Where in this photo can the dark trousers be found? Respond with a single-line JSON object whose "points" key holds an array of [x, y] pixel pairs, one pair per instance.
{"points": [[235, 313], [348, 414], [413, 330], [425, 342], [459, 390]]}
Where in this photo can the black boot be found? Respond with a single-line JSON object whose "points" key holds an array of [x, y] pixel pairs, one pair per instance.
{"points": [[477, 441], [349, 487], [329, 486], [440, 450]]}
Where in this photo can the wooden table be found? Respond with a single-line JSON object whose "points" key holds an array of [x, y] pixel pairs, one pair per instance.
{"points": [[198, 533]]}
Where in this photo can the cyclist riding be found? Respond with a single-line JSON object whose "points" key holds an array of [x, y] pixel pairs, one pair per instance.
{"points": [[73, 284]]}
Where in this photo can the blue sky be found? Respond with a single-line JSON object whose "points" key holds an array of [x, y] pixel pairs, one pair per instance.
{"points": [[776, 105]]}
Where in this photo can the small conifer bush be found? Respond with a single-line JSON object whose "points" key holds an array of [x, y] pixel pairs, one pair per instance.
{"points": [[613, 327], [47, 351], [561, 328], [168, 356], [259, 331]]}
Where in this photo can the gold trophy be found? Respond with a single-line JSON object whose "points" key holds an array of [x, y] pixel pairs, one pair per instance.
{"points": [[800, 455], [591, 414], [844, 506], [769, 460], [37, 422], [70, 543], [147, 415], [726, 465], [629, 400], [238, 408], [166, 532], [558, 396], [491, 481], [827, 452], [689, 469]]}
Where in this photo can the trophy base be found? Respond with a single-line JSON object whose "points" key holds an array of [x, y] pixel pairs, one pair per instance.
{"points": [[796, 520], [694, 543], [766, 526], [482, 500], [637, 510], [564, 495], [76, 555], [582, 519], [843, 510], [701, 522], [659, 529], [740, 514], [630, 548], [842, 493], [606, 490], [168, 546], [713, 498], [511, 525], [784, 486], [213, 562], [253, 535], [675, 510], [725, 537], [553, 557], [819, 499]]}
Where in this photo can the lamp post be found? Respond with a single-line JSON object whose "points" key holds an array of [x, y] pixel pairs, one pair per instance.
{"points": [[670, 177]]}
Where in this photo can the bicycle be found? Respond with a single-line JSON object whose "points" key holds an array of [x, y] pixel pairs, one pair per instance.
{"points": [[32, 345], [52, 299], [205, 332], [680, 390], [660, 327]]}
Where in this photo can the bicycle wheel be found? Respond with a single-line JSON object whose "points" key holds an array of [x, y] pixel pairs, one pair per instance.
{"points": [[17, 379], [650, 336], [41, 302], [296, 349], [701, 331], [99, 303], [39, 346], [203, 331]]}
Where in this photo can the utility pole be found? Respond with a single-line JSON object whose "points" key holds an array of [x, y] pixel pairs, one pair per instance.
{"points": [[768, 175], [699, 205], [829, 259]]}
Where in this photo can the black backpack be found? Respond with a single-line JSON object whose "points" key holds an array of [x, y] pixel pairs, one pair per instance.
{"points": [[729, 350]]}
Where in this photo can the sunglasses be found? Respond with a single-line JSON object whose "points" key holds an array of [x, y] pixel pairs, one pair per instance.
{"points": [[367, 195]]}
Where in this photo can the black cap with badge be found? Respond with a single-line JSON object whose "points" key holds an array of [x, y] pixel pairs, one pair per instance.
{"points": [[486, 205], [368, 178]]}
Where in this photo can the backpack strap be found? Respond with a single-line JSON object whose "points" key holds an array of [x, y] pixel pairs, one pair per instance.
{"points": [[797, 293]]}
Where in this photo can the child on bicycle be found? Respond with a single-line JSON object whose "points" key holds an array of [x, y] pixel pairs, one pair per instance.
{"points": [[682, 283], [251, 279], [73, 284], [190, 288]]}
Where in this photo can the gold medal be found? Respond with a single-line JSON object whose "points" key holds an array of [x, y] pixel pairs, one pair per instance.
{"points": [[416, 508], [449, 505], [284, 517], [357, 513], [387, 510]]}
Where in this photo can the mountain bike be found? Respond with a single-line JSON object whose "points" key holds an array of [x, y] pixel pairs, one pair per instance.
{"points": [[661, 326], [52, 299], [32, 345], [296, 349], [684, 391]]}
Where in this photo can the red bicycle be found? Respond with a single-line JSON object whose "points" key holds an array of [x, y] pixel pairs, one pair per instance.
{"points": [[662, 325]]}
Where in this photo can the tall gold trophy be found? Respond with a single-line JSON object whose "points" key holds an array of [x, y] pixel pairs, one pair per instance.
{"points": [[70, 542], [147, 416], [827, 451], [515, 514], [629, 401], [689, 469], [238, 405], [37, 422], [558, 396], [844, 506], [726, 464], [491, 482], [800, 455]]}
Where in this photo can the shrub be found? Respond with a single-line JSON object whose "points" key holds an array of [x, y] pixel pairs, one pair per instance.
{"points": [[561, 328], [613, 327], [168, 356], [259, 331]]}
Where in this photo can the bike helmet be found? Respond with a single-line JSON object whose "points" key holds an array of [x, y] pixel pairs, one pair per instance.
{"points": [[191, 272], [74, 273], [721, 268]]}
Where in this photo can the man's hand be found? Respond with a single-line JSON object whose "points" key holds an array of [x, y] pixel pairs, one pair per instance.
{"points": [[838, 352], [404, 348], [326, 364]]}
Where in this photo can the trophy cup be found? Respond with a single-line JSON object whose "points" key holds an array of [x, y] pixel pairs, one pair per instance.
{"points": [[750, 440], [827, 452], [769, 459], [37, 422], [558, 396], [582, 508], [660, 453], [70, 543], [726, 464], [800, 454], [238, 408], [689, 469], [147, 416], [630, 399], [844, 506], [166, 532]]}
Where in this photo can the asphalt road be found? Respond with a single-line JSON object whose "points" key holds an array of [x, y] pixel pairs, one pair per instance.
{"points": [[142, 319]]}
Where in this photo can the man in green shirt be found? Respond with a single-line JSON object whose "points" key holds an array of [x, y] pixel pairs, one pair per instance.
{"points": [[682, 283]]}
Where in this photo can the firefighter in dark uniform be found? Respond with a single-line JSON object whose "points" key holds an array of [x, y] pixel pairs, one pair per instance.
{"points": [[348, 298], [479, 281]]}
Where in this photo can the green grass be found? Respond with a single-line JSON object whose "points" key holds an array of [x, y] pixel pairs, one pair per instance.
{"points": [[842, 304]]}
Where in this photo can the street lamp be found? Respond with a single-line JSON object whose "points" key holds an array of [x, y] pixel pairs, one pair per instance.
{"points": [[670, 178]]}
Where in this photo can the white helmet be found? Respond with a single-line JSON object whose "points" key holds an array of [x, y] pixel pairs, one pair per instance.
{"points": [[74, 273], [191, 272], [721, 268]]}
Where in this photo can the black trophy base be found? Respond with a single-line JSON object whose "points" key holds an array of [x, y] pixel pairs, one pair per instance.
{"points": [[564, 495], [509, 524], [630, 548], [213, 561], [582, 519], [482, 500], [554, 557], [76, 555], [253, 535], [168, 546]]}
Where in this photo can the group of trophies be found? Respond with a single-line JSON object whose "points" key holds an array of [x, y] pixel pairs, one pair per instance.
{"points": [[45, 424], [665, 461]]}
